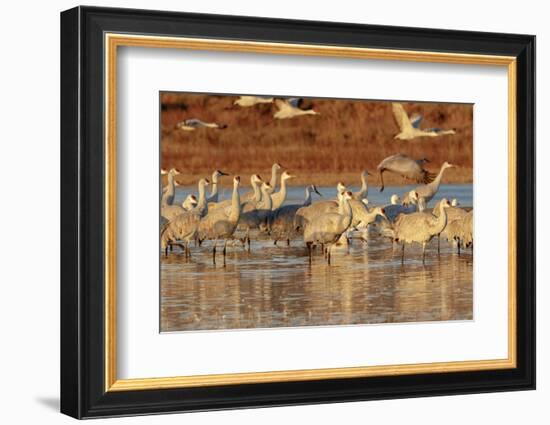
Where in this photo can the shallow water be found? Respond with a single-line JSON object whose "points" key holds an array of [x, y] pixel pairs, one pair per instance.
{"points": [[462, 192], [274, 286]]}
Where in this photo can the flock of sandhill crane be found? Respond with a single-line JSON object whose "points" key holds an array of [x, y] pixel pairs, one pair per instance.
{"points": [[324, 223]]}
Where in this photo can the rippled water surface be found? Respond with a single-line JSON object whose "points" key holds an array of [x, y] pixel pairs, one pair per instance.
{"points": [[275, 286]]}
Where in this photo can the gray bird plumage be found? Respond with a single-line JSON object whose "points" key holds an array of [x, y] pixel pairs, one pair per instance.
{"points": [[406, 167]]}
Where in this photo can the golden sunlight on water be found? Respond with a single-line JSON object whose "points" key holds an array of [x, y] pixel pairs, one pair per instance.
{"points": [[274, 286]]}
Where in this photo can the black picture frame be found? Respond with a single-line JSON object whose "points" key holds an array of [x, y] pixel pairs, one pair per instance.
{"points": [[82, 212]]}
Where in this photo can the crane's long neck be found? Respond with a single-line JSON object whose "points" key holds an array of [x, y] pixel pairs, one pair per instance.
{"points": [[214, 190], [441, 221], [273, 181], [307, 201], [257, 193], [235, 205], [170, 190], [437, 180], [266, 202], [282, 191], [364, 185], [345, 210], [201, 204]]}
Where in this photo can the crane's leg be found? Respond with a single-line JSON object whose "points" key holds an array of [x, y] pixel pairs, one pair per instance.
{"points": [[328, 253], [287, 241], [166, 251], [224, 250], [308, 244], [275, 242], [402, 252], [458, 247], [423, 252], [438, 243], [248, 238], [214, 252]]}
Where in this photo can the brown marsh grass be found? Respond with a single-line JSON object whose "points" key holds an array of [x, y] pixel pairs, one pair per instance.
{"points": [[347, 137]]}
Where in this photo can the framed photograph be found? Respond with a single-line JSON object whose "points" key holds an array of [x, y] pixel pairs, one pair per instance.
{"points": [[261, 212]]}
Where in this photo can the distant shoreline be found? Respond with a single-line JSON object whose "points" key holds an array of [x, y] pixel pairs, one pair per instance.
{"points": [[451, 176]]}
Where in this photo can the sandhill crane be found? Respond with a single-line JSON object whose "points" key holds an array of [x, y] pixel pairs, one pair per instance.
{"points": [[193, 123], [214, 192], [255, 194], [420, 227], [255, 215], [221, 224], [459, 230], [281, 222], [290, 108], [453, 213], [247, 101], [466, 236], [452, 232], [428, 191], [181, 229], [189, 203], [169, 192], [395, 208], [362, 215], [410, 129], [364, 191], [171, 211], [279, 197], [327, 228], [452, 229], [275, 168], [406, 167], [255, 181], [305, 213]]}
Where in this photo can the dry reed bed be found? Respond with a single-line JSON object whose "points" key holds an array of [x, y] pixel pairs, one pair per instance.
{"points": [[347, 137]]}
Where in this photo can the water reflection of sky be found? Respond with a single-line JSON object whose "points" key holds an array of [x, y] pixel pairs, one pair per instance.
{"points": [[462, 192]]}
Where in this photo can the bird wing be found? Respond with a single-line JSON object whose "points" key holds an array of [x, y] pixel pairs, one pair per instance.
{"points": [[416, 119], [295, 101], [282, 104], [401, 117], [193, 122], [407, 168]]}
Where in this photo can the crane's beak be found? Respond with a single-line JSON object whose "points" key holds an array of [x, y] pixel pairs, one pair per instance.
{"points": [[221, 173], [316, 191]]}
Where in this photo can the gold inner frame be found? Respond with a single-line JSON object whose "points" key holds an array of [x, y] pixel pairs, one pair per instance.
{"points": [[113, 41]]}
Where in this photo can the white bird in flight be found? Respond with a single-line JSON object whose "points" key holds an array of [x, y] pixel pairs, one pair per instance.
{"points": [[410, 127], [290, 108], [247, 101], [194, 123]]}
